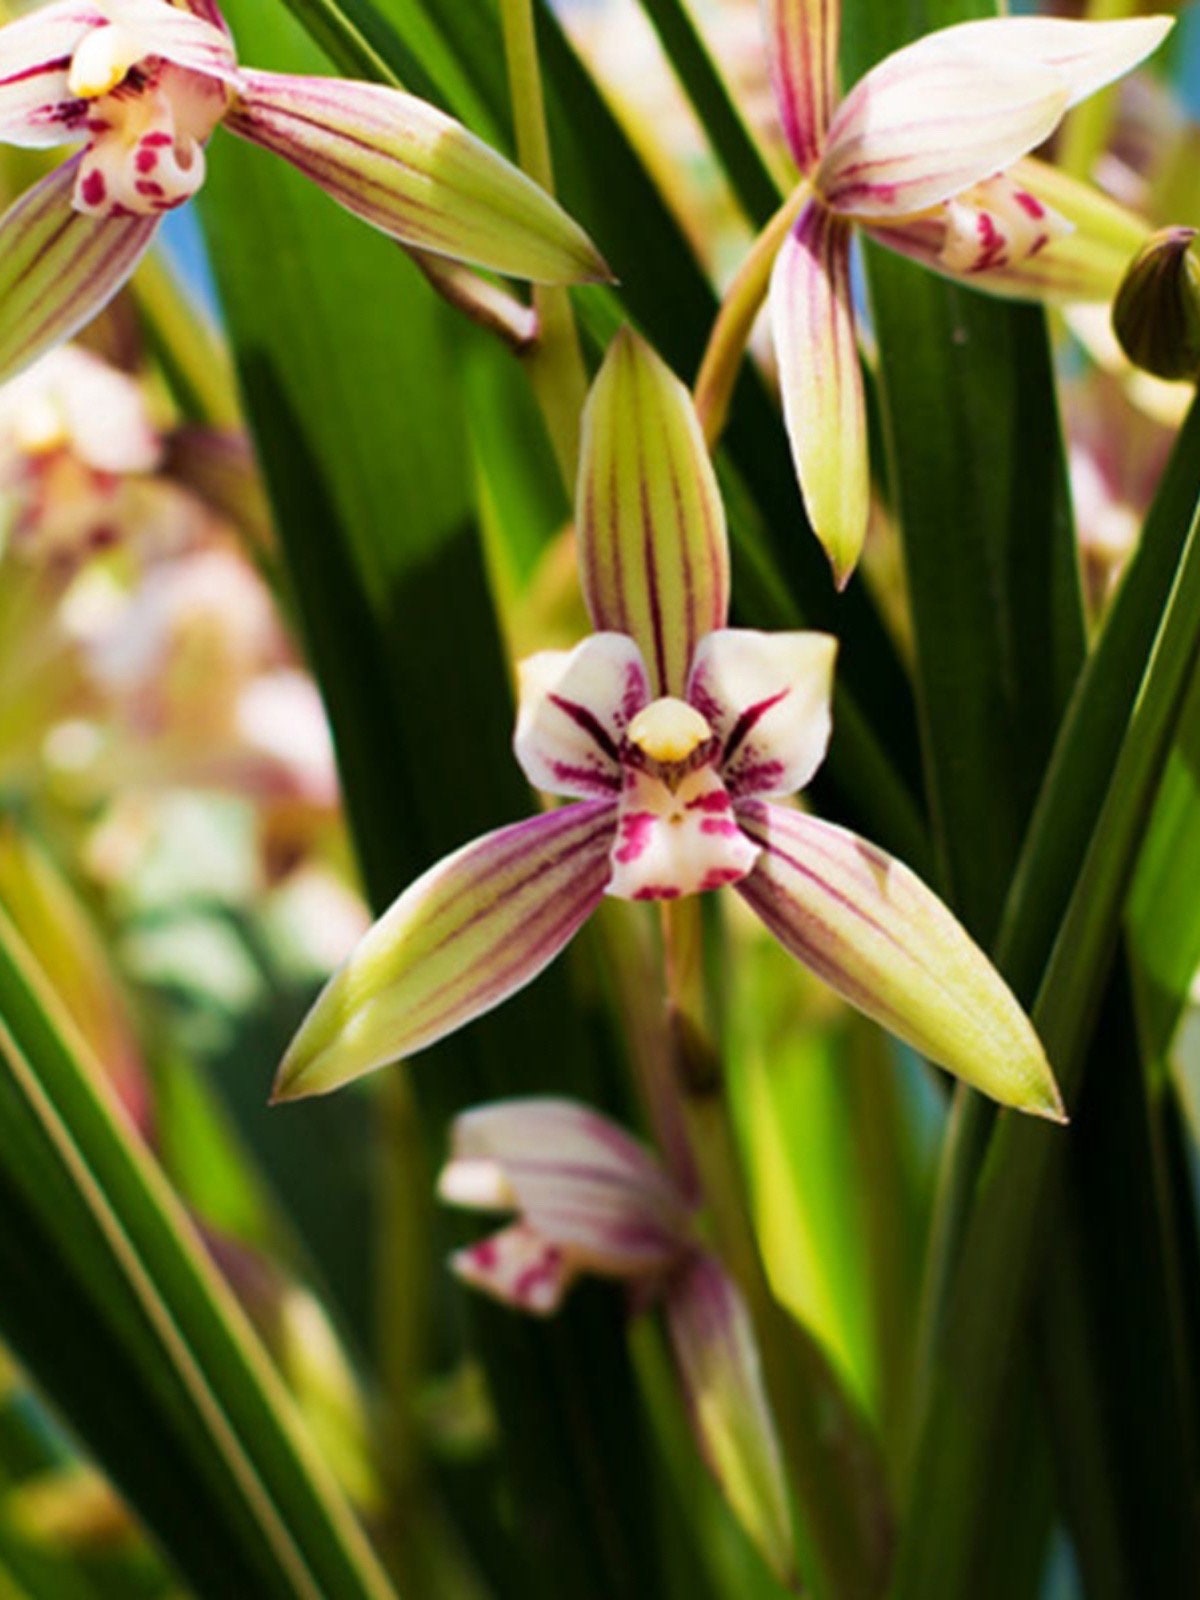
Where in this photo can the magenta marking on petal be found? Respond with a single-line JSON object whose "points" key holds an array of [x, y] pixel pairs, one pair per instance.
{"points": [[92, 190], [593, 777], [657, 891], [636, 830], [720, 828], [1030, 204], [146, 160], [636, 692], [747, 720], [484, 1254], [714, 801], [720, 878], [754, 776], [583, 718], [539, 1273]]}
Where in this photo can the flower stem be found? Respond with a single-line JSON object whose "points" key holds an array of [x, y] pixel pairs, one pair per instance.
{"points": [[735, 320], [555, 361], [844, 1527]]}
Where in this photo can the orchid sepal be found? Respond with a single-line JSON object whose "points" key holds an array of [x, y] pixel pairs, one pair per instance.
{"points": [[409, 170], [59, 269], [824, 405], [870, 928], [471, 931], [668, 590]]}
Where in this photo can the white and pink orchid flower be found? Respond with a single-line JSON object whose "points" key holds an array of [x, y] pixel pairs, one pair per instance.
{"points": [[925, 154], [677, 737], [143, 84], [591, 1200]]}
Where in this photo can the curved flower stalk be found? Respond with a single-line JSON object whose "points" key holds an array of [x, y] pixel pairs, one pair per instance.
{"points": [[591, 1200], [925, 156], [676, 736], [143, 84]]}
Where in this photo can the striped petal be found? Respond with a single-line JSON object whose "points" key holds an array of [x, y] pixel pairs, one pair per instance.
{"points": [[1085, 55], [812, 315], [407, 169], [866, 925], [721, 1373], [933, 119], [802, 45], [57, 268], [132, 31], [577, 1179], [575, 707], [767, 698], [472, 931], [653, 552], [37, 108], [1087, 264]]}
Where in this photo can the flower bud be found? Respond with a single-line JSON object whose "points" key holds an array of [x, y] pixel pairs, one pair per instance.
{"points": [[1156, 314]]}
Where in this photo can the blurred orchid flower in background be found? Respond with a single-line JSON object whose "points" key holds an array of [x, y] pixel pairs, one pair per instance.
{"points": [[590, 1199], [925, 155], [675, 735], [143, 84]]}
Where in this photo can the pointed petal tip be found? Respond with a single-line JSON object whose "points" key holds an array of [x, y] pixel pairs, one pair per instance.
{"points": [[843, 570]]}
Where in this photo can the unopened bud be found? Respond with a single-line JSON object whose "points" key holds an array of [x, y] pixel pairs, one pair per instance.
{"points": [[1156, 314]]}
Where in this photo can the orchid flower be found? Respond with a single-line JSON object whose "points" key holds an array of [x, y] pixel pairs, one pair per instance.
{"points": [[591, 1200], [676, 736], [143, 84], [924, 154]]}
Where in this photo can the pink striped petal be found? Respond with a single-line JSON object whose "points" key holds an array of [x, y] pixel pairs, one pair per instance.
{"points": [[132, 31], [472, 931], [767, 698], [866, 925], [1086, 55], [812, 315], [1087, 264], [576, 1178], [57, 268], [653, 553], [932, 119], [575, 707], [37, 109], [713, 1341], [802, 46], [416, 174], [518, 1267]]}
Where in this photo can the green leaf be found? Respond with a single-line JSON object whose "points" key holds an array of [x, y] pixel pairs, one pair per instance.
{"points": [[170, 1388], [1000, 1254]]}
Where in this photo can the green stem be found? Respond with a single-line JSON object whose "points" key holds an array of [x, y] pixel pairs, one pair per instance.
{"points": [[735, 320], [843, 1526], [555, 362]]}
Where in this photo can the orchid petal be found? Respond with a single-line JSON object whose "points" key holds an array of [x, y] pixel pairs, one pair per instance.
{"points": [[812, 315], [1088, 264], [653, 553], [767, 698], [866, 925], [518, 1267], [414, 173], [802, 45], [57, 268], [37, 108], [575, 707], [677, 840], [1085, 55], [931, 120], [467, 934], [131, 31], [713, 1341], [577, 1179]]}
